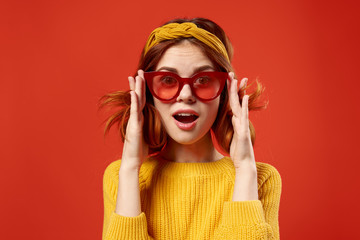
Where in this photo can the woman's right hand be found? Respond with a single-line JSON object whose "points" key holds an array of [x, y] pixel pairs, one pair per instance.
{"points": [[135, 149], [134, 152]]}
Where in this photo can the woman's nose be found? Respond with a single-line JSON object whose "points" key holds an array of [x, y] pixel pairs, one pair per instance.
{"points": [[186, 94]]}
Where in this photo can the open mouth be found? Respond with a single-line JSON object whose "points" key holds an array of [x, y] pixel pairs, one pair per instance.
{"points": [[185, 117]]}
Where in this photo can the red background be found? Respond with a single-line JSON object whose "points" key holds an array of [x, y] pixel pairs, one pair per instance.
{"points": [[58, 57]]}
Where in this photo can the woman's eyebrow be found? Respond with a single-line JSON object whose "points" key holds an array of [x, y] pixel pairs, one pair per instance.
{"points": [[170, 69], [196, 70], [203, 68]]}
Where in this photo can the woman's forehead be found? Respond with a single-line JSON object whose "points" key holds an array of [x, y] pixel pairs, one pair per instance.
{"points": [[184, 55]]}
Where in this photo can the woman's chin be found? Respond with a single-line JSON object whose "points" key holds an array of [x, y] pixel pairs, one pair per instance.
{"points": [[188, 137]]}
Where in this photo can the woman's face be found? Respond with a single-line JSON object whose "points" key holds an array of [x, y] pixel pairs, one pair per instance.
{"points": [[186, 118]]}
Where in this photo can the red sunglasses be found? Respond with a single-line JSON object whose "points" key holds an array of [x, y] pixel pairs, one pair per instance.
{"points": [[166, 86]]}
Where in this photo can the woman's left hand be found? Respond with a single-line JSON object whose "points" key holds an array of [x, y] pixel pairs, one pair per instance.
{"points": [[241, 150]]}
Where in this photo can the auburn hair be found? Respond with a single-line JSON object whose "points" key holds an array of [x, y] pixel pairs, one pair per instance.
{"points": [[153, 132]]}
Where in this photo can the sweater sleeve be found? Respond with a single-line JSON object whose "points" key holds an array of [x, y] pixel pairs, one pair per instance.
{"points": [[257, 219], [116, 226]]}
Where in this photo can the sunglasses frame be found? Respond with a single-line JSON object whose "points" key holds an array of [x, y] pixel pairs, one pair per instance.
{"points": [[149, 76]]}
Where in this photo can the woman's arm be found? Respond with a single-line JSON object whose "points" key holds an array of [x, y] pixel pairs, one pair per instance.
{"points": [[117, 226], [241, 150], [248, 216], [128, 195], [245, 185], [134, 152], [126, 221]]}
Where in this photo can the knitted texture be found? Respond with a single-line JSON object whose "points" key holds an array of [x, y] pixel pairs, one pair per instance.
{"points": [[193, 201]]}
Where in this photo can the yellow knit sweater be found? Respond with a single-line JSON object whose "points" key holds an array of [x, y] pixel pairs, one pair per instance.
{"points": [[193, 201]]}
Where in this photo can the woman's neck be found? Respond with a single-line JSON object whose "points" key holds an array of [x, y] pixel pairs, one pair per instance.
{"points": [[201, 151]]}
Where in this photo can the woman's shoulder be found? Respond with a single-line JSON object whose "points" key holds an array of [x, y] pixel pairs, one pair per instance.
{"points": [[111, 178], [266, 168], [266, 172], [113, 168]]}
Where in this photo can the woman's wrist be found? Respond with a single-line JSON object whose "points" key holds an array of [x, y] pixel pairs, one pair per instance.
{"points": [[245, 186], [130, 165], [245, 168], [128, 196]]}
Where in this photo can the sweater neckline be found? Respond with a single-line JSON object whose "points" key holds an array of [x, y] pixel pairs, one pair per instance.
{"points": [[178, 169]]}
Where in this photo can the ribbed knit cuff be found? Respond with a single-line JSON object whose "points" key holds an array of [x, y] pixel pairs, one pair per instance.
{"points": [[121, 227], [243, 213]]}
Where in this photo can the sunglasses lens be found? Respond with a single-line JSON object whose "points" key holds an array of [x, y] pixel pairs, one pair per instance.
{"points": [[165, 86], [207, 86]]}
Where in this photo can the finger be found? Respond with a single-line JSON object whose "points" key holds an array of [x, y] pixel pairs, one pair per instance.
{"points": [[141, 73], [143, 87], [234, 97], [138, 90], [229, 81], [131, 83], [246, 81], [138, 86], [243, 84], [134, 104], [245, 112]]}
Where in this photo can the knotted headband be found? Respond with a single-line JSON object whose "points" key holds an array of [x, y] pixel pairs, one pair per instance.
{"points": [[185, 30]]}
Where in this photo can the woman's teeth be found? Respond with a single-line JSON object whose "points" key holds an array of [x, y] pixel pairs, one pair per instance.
{"points": [[185, 117]]}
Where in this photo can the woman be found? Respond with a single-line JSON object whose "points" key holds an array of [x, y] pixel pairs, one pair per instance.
{"points": [[173, 182]]}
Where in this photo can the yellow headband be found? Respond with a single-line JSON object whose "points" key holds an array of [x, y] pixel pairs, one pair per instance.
{"points": [[184, 30]]}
